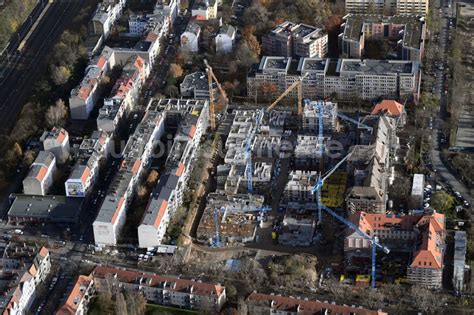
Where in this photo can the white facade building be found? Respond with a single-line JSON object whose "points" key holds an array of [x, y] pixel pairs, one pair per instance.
{"points": [[168, 194], [208, 298], [225, 39], [41, 174], [21, 297], [85, 171], [136, 159], [345, 79], [56, 141], [105, 16], [190, 37]]}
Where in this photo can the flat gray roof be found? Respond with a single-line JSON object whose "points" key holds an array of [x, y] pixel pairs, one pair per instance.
{"points": [[377, 67], [59, 209]]}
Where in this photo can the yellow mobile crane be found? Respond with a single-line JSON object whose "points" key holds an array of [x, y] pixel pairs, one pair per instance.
{"points": [[212, 106]]}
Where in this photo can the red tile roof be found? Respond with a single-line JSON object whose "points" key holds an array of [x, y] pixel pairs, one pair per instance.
{"points": [[76, 295], [101, 62], [161, 213], [391, 107], [307, 307], [151, 37], [432, 227], [369, 222], [84, 92], [153, 280], [192, 131], [136, 166], [42, 173], [430, 252], [117, 210], [85, 174], [61, 135], [43, 252], [180, 169]]}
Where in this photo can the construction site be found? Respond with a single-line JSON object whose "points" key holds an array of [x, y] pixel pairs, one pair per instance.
{"points": [[293, 176]]}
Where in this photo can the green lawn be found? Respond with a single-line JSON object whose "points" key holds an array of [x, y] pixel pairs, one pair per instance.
{"points": [[153, 309]]}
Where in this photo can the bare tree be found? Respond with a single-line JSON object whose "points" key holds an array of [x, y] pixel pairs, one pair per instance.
{"points": [[142, 192], [175, 70], [28, 158], [60, 74], [56, 114], [152, 178], [425, 299], [120, 304], [248, 34]]}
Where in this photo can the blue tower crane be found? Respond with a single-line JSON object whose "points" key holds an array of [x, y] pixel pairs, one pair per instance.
{"points": [[374, 244], [320, 182], [356, 122], [217, 241]]}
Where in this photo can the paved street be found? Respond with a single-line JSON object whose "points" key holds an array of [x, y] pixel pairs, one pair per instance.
{"points": [[440, 90]]}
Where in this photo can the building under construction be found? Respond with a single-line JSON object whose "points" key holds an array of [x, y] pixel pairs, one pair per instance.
{"points": [[238, 217]]}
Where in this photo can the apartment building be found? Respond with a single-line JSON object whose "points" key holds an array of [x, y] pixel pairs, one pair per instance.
{"points": [[204, 10], [262, 304], [418, 7], [105, 16], [41, 174], [20, 293], [297, 193], [369, 166], [196, 85], [295, 40], [84, 97], [164, 290], [344, 79], [167, 196], [392, 109], [421, 235], [190, 37], [426, 268], [388, 7], [79, 298], [136, 159], [34, 209], [89, 155], [139, 25], [408, 30], [397, 232], [225, 39], [56, 141], [124, 95]]}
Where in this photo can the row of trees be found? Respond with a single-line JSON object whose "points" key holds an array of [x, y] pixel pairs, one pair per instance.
{"points": [[46, 107], [12, 17], [264, 14]]}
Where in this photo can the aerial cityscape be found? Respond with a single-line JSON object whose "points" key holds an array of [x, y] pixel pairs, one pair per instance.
{"points": [[236, 157]]}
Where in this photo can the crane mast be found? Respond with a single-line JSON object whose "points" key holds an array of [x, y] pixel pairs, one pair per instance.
{"points": [[297, 84], [374, 242], [211, 78]]}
